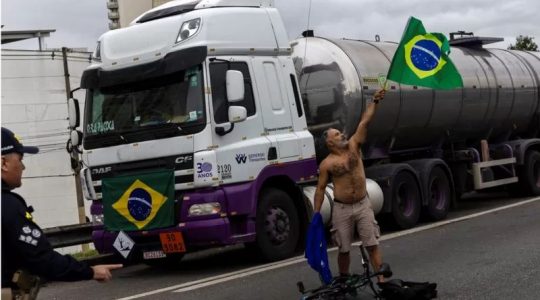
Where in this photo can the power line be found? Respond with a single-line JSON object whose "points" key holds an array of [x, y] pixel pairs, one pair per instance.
{"points": [[45, 135], [47, 176], [35, 103], [32, 77], [36, 121]]}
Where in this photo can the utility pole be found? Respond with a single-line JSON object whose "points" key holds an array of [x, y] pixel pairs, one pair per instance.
{"points": [[75, 165]]}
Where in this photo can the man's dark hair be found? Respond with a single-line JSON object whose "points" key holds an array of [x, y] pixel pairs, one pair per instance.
{"points": [[325, 135]]}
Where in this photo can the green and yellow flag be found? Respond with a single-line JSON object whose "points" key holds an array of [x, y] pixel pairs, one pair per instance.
{"points": [[422, 59], [139, 202]]}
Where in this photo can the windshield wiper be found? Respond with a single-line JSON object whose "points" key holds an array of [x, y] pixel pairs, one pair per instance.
{"points": [[167, 128], [109, 137]]}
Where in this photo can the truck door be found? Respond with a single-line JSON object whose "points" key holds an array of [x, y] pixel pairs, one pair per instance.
{"points": [[275, 108], [241, 153], [272, 95]]}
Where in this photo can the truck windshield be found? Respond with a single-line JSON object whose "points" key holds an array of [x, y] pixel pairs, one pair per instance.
{"points": [[156, 108]]}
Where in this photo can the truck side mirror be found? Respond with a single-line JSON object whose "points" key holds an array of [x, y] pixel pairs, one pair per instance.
{"points": [[237, 114], [76, 138], [235, 85], [73, 113]]}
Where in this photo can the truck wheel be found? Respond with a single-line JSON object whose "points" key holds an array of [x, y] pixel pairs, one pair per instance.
{"points": [[439, 194], [277, 225], [530, 176], [405, 200]]}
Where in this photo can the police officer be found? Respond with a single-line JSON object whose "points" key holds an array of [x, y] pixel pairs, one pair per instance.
{"points": [[24, 246]]}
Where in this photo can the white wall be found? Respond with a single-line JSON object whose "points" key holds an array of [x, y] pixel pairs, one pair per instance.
{"points": [[34, 107]]}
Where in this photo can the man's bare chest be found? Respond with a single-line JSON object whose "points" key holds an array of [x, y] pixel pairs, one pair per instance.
{"points": [[345, 164]]}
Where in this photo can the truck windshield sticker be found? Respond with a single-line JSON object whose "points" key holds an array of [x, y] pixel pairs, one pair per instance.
{"points": [[193, 81], [100, 127], [192, 77], [192, 115]]}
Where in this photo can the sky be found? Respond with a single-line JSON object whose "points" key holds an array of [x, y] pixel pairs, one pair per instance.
{"points": [[79, 23]]}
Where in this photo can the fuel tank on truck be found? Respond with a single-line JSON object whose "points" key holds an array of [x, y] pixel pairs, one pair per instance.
{"points": [[499, 100]]}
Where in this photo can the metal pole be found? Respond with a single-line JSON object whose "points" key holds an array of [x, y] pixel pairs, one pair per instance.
{"points": [[74, 154]]}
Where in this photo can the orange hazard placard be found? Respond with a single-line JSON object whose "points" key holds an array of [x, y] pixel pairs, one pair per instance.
{"points": [[172, 242]]}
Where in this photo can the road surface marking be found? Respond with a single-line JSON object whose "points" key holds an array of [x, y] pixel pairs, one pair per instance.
{"points": [[197, 284]]}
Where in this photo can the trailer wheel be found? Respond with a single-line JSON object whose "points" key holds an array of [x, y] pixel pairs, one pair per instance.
{"points": [[277, 225], [439, 194], [531, 173], [405, 200]]}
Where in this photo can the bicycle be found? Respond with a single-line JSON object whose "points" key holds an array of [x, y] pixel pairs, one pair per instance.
{"points": [[352, 287]]}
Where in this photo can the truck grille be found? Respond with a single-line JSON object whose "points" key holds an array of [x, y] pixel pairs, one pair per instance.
{"points": [[181, 164]]}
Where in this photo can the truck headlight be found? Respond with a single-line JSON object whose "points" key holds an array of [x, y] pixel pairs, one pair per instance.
{"points": [[204, 209], [188, 29]]}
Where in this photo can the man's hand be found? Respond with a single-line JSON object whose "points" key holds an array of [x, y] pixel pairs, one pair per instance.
{"points": [[379, 95], [102, 273]]}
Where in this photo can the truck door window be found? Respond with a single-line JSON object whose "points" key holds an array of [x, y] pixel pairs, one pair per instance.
{"points": [[296, 96], [219, 94]]}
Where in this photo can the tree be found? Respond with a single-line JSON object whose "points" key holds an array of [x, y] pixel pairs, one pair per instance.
{"points": [[524, 43]]}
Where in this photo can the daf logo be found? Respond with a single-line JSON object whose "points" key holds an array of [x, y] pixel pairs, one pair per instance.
{"points": [[183, 159], [101, 170]]}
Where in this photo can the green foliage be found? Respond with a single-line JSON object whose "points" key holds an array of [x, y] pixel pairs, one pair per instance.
{"points": [[524, 43], [85, 254]]}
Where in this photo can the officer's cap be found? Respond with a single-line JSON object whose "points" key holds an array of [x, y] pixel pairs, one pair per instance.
{"points": [[11, 144]]}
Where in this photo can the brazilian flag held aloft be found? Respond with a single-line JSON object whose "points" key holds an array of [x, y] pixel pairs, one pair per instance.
{"points": [[422, 59], [139, 202]]}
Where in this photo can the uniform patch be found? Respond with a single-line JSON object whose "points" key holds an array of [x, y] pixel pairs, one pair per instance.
{"points": [[26, 229], [28, 239], [28, 216], [36, 233]]}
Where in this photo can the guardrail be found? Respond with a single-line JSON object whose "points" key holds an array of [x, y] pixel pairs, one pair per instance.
{"points": [[74, 235], [69, 235]]}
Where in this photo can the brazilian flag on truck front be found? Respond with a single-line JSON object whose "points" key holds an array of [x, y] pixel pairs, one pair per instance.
{"points": [[139, 202], [423, 59]]}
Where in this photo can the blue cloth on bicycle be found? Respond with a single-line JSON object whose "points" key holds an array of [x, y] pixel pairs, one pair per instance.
{"points": [[316, 252]]}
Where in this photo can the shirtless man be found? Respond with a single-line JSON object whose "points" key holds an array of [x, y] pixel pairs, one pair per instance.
{"points": [[352, 207]]}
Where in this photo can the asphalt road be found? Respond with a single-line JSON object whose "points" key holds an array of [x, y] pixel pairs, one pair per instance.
{"points": [[493, 255]]}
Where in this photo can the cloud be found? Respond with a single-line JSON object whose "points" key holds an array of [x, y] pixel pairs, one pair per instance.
{"points": [[77, 23], [387, 18], [80, 23]]}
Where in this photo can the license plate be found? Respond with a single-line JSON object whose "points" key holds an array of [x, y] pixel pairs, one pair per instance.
{"points": [[172, 242], [153, 254]]}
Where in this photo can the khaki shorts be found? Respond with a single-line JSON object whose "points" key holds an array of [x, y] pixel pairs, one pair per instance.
{"points": [[345, 217]]}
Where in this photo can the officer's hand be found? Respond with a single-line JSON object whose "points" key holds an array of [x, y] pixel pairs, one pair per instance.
{"points": [[102, 273]]}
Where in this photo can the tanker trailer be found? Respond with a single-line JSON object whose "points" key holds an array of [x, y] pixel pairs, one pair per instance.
{"points": [[427, 147]]}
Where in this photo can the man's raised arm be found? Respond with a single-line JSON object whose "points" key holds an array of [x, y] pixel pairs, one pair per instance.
{"points": [[360, 135]]}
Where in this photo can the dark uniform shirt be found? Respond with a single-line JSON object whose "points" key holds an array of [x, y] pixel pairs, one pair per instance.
{"points": [[24, 246]]}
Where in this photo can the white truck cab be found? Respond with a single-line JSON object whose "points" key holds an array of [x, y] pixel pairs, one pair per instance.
{"points": [[205, 91]]}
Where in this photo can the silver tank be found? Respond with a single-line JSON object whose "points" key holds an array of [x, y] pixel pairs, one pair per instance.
{"points": [[499, 101]]}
